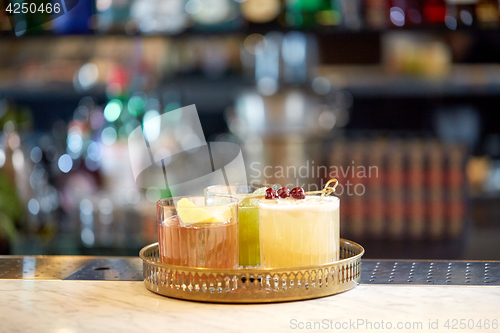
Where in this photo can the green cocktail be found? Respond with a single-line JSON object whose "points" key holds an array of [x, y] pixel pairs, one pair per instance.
{"points": [[248, 219]]}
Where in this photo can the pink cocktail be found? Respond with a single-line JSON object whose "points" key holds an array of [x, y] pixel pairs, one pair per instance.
{"points": [[196, 235]]}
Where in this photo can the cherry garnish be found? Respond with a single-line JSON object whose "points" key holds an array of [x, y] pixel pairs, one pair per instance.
{"points": [[271, 194], [283, 192], [298, 193]]}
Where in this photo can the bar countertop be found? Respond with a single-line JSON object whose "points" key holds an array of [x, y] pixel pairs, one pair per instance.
{"points": [[97, 294]]}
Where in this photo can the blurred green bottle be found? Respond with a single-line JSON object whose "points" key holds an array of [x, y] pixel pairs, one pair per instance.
{"points": [[310, 13]]}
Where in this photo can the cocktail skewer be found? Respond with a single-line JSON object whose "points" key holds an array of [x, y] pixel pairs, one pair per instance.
{"points": [[327, 190]]}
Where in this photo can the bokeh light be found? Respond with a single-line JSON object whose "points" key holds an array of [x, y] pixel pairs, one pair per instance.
{"points": [[86, 207], [113, 110], [108, 136], [255, 44], [321, 85], [136, 106], [193, 7], [450, 22], [2, 157], [65, 163], [88, 237], [45, 204], [75, 140], [103, 5], [152, 125], [87, 75], [133, 196], [153, 194], [92, 165], [33, 206], [36, 154], [397, 16], [106, 206], [18, 159], [173, 116], [14, 141], [94, 151], [466, 17], [96, 119]]}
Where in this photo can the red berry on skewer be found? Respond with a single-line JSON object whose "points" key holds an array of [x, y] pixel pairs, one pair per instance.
{"points": [[271, 194], [298, 193], [283, 192]]}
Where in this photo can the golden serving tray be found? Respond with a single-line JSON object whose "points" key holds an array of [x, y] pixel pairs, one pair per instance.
{"points": [[253, 285]]}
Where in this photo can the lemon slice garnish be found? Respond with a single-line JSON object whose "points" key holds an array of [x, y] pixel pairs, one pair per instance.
{"points": [[190, 213], [253, 202]]}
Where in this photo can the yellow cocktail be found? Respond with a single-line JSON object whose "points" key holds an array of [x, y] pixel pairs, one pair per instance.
{"points": [[295, 233]]}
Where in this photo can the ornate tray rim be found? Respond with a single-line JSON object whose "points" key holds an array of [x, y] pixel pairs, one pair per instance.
{"points": [[155, 280]]}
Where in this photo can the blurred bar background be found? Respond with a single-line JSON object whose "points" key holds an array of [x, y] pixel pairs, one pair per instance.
{"points": [[406, 90]]}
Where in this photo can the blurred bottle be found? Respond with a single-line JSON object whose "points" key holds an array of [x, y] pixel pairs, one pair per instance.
{"points": [[351, 14], [436, 189], [414, 12], [261, 11], [416, 54], [376, 153], [113, 15], [309, 13], [282, 122], [415, 189], [434, 12], [406, 13], [455, 189], [397, 13], [154, 16], [460, 13], [395, 190], [487, 13], [330, 14], [4, 21], [217, 15], [376, 14]]}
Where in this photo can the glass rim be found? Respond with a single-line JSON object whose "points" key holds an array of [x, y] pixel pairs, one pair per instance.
{"points": [[235, 184], [259, 185], [331, 198], [161, 202]]}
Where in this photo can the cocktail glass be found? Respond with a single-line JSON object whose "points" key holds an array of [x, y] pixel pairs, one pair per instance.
{"points": [[296, 233], [202, 234], [248, 220]]}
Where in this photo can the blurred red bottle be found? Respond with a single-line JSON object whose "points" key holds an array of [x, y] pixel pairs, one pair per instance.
{"points": [[414, 12], [434, 11]]}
